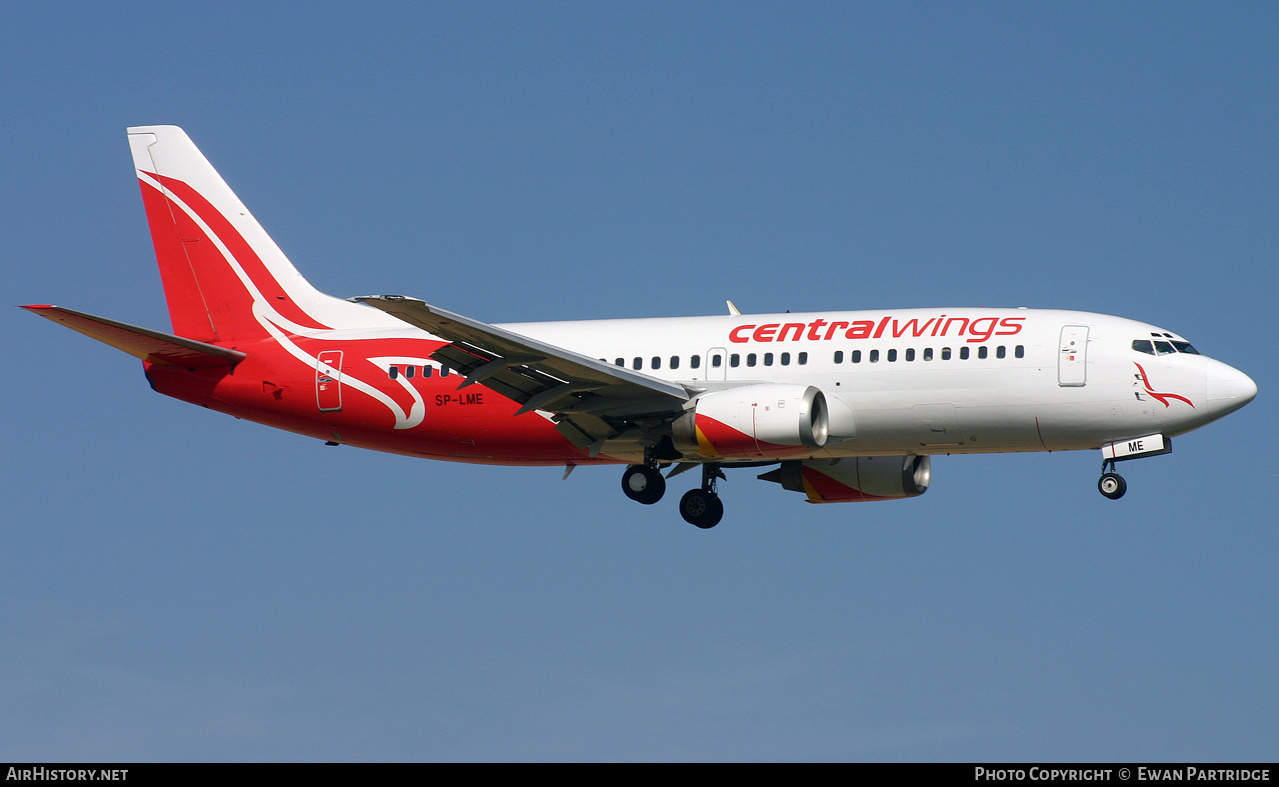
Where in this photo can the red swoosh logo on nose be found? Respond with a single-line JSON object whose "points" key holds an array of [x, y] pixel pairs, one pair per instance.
{"points": [[1162, 397]]}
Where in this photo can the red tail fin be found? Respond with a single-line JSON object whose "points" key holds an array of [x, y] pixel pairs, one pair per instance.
{"points": [[224, 278]]}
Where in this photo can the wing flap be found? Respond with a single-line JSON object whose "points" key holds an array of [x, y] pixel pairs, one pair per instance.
{"points": [[536, 374], [142, 343]]}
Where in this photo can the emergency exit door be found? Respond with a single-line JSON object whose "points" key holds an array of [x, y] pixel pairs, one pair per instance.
{"points": [[716, 363]]}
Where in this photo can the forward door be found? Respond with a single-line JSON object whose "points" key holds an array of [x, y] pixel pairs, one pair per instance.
{"points": [[1072, 356]]}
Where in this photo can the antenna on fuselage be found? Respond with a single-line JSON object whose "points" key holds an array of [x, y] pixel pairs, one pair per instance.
{"points": [[732, 309]]}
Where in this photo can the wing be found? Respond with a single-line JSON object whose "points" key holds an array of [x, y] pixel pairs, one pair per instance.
{"points": [[592, 400]]}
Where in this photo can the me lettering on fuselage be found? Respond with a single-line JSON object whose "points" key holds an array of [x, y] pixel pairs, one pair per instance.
{"points": [[840, 407]]}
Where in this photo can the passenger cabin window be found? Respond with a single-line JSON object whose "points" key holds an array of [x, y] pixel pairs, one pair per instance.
{"points": [[394, 372], [695, 362], [620, 362], [928, 353], [674, 361], [657, 363]]}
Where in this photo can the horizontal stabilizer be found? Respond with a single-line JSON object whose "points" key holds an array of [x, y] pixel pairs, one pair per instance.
{"points": [[143, 343]]}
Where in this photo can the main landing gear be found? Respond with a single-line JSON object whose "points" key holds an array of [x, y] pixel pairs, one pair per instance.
{"points": [[1111, 484], [701, 507], [643, 484]]}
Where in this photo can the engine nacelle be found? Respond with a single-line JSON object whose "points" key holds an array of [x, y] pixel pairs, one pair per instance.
{"points": [[755, 422], [855, 479]]}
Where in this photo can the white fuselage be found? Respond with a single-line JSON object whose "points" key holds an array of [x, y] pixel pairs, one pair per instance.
{"points": [[934, 381]]}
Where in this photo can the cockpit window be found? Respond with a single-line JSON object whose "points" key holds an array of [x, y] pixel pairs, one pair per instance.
{"points": [[1159, 347]]}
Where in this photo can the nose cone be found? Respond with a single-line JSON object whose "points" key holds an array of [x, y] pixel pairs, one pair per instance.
{"points": [[1228, 388]]}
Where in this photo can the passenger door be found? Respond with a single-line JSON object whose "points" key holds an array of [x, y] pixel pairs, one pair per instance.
{"points": [[328, 381], [1072, 356]]}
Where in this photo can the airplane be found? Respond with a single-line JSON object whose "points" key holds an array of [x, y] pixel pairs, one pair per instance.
{"points": [[842, 406]]}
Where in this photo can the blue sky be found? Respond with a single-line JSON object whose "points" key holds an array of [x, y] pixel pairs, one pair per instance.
{"points": [[178, 585]]}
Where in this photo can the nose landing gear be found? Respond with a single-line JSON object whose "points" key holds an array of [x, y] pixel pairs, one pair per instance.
{"points": [[1111, 484]]}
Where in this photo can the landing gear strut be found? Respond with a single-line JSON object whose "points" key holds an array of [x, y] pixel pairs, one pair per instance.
{"points": [[1111, 484], [702, 507]]}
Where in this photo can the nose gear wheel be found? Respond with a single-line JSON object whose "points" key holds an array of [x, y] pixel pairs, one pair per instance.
{"points": [[1111, 484]]}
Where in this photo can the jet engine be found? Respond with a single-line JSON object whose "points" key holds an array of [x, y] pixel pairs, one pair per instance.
{"points": [[855, 479], [754, 422]]}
